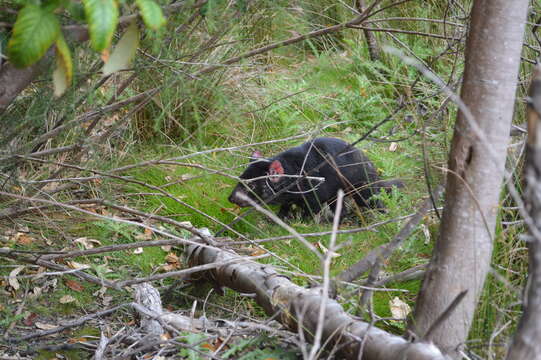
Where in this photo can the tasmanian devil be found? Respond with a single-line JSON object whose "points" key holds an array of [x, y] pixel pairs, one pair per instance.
{"points": [[309, 176]]}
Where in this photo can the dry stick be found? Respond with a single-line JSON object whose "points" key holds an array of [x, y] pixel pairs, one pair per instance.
{"points": [[276, 101], [141, 183], [102, 346], [371, 227], [413, 273], [78, 148], [182, 273], [412, 19], [78, 120], [18, 212], [215, 150], [68, 325], [51, 265], [17, 313], [52, 151], [384, 251], [174, 241], [43, 261], [426, 167], [389, 30], [109, 248], [203, 236], [476, 132], [357, 20], [191, 229], [278, 221], [326, 264]]}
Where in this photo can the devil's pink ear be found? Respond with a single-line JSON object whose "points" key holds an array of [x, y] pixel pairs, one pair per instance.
{"points": [[256, 155], [276, 168]]}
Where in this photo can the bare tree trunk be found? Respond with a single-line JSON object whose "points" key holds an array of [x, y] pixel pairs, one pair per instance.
{"points": [[373, 48], [13, 81], [462, 254], [526, 343]]}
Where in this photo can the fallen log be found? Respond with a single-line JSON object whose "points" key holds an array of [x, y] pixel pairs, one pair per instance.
{"points": [[297, 308]]}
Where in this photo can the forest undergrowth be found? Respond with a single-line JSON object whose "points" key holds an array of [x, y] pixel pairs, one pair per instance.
{"points": [[178, 157]]}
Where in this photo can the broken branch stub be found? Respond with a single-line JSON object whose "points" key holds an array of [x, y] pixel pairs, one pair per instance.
{"points": [[291, 304]]}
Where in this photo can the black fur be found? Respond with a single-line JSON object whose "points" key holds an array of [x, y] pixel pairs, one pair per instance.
{"points": [[351, 171]]}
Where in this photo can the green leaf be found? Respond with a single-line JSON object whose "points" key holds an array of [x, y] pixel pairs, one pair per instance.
{"points": [[102, 19], [63, 73], [124, 51], [76, 10], [52, 5], [151, 13], [33, 33]]}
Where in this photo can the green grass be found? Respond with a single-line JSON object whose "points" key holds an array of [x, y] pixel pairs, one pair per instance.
{"points": [[320, 83], [350, 91]]}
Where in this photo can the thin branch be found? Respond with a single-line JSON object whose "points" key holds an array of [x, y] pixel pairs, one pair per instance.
{"points": [[384, 251], [409, 32]]}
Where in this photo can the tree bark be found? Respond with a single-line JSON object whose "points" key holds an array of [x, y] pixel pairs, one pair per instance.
{"points": [[526, 344], [462, 254], [14, 80], [371, 42]]}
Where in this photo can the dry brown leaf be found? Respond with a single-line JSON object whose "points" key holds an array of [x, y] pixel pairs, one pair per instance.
{"points": [[105, 55], [100, 292], [36, 292], [362, 92], [172, 258], [86, 242], [77, 340], [399, 309], [426, 233], [66, 299], [12, 279], [106, 212], [209, 346], [107, 300], [322, 247], [23, 239], [51, 186], [74, 285], [146, 235], [30, 319], [185, 177], [44, 326], [257, 252], [76, 265], [169, 267]]}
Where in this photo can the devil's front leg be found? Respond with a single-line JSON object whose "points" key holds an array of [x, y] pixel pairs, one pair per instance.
{"points": [[285, 211], [311, 205]]}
